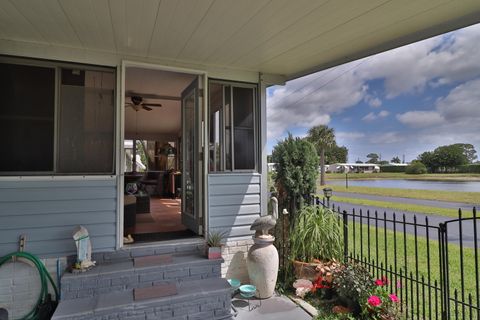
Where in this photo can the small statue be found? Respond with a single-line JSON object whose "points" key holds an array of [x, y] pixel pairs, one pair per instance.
{"points": [[262, 225], [84, 249]]}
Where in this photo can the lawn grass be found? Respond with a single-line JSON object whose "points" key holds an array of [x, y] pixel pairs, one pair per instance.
{"points": [[400, 206], [439, 195], [425, 254], [402, 175]]}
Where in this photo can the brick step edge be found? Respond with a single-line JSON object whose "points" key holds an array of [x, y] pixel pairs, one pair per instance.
{"points": [[123, 276], [201, 299]]}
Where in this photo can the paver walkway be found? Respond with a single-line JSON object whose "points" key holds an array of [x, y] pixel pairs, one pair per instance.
{"points": [[275, 308]]}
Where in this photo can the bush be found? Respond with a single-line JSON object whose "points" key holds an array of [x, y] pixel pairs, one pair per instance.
{"points": [[469, 168], [296, 171], [392, 168], [416, 168]]}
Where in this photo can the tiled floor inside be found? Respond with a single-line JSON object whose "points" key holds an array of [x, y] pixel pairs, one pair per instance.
{"points": [[164, 216]]}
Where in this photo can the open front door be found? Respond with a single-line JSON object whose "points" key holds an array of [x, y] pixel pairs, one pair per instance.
{"points": [[192, 168]]}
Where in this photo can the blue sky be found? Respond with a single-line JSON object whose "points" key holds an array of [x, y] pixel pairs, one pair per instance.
{"points": [[400, 102]]}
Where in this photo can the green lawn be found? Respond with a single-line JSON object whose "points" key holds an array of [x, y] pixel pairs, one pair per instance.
{"points": [[402, 175], [400, 207], [426, 257], [451, 196]]}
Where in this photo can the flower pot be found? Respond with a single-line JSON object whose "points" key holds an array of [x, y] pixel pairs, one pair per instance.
{"points": [[313, 270], [214, 252]]}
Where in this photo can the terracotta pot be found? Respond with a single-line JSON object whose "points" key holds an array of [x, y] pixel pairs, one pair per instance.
{"points": [[312, 270]]}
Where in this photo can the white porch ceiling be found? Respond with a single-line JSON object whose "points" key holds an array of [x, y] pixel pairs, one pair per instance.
{"points": [[286, 37]]}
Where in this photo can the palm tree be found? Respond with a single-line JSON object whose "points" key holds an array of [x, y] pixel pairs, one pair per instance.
{"points": [[322, 137]]}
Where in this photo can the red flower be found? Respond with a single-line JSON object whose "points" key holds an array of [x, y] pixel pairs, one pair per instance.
{"points": [[320, 284], [374, 301], [379, 282], [385, 281], [394, 298]]}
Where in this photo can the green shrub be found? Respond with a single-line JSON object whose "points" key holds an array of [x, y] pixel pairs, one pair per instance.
{"points": [[296, 171], [392, 168], [353, 282], [416, 168], [316, 234], [468, 168]]}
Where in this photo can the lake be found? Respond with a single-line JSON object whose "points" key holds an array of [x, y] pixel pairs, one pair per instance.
{"points": [[470, 186]]}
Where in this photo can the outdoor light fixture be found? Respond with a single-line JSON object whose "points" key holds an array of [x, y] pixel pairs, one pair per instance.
{"points": [[327, 192]]}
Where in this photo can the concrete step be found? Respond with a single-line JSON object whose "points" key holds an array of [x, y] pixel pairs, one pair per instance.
{"points": [[122, 275], [187, 246], [197, 299]]}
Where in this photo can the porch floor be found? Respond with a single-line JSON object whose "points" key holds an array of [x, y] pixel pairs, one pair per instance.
{"points": [[277, 307]]}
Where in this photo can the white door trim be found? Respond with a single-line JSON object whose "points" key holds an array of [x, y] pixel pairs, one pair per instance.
{"points": [[120, 140]]}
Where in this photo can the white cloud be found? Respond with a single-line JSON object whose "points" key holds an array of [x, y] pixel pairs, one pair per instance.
{"points": [[420, 119], [374, 116], [343, 135], [387, 138], [372, 101]]}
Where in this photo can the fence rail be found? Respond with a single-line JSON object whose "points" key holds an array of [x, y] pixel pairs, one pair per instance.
{"points": [[429, 266]]}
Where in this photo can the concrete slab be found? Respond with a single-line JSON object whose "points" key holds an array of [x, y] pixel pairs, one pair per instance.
{"points": [[275, 308]]}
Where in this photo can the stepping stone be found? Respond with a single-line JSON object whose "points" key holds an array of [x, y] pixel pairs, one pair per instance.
{"points": [[158, 291], [149, 261]]}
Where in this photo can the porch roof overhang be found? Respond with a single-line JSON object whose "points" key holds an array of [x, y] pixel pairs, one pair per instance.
{"points": [[284, 38]]}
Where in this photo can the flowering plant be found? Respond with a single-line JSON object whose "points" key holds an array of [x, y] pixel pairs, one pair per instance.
{"points": [[379, 303]]}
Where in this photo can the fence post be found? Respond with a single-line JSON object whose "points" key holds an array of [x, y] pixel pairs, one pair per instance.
{"points": [[444, 287], [345, 236]]}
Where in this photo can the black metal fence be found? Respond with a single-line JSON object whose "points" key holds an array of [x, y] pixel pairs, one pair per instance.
{"points": [[432, 267]]}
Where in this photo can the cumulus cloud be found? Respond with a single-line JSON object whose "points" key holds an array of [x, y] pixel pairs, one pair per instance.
{"points": [[387, 138], [374, 116], [420, 119], [450, 59]]}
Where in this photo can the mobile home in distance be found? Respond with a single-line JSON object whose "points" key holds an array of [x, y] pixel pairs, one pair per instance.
{"points": [[145, 122]]}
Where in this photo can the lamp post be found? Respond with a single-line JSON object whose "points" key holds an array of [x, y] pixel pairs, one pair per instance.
{"points": [[327, 192]]}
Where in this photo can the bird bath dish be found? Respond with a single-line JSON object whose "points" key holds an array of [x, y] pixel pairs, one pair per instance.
{"points": [[234, 283], [247, 290]]}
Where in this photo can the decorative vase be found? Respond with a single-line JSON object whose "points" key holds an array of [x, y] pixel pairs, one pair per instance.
{"points": [[262, 265]]}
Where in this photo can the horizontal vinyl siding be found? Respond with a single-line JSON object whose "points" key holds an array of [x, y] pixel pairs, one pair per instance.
{"points": [[234, 202], [48, 210]]}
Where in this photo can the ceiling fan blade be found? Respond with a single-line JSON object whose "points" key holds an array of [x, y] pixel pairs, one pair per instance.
{"points": [[146, 108], [152, 104]]}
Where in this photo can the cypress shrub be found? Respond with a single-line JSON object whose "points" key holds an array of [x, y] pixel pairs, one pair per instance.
{"points": [[416, 168]]}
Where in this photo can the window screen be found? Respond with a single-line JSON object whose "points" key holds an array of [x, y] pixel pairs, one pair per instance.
{"points": [[27, 118], [86, 122]]}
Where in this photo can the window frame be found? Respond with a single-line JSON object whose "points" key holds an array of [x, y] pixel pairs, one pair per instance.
{"points": [[256, 124], [57, 66]]}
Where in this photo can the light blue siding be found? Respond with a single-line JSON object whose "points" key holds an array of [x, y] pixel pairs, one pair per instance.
{"points": [[234, 202], [47, 211]]}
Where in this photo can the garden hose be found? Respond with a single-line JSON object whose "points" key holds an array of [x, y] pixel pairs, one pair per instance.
{"points": [[45, 277]]}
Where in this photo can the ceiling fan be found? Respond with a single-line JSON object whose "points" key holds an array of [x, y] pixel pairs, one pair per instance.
{"points": [[138, 103]]}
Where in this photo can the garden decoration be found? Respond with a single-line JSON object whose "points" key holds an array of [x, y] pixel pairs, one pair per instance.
{"points": [[84, 249], [262, 258]]}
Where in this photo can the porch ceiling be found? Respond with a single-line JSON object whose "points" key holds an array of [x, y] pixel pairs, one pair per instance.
{"points": [[290, 38]]}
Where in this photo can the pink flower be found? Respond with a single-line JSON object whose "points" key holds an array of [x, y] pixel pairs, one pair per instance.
{"points": [[399, 284], [394, 298], [379, 282], [385, 281], [374, 301]]}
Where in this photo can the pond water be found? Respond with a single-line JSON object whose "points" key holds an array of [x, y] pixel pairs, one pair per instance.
{"points": [[471, 186]]}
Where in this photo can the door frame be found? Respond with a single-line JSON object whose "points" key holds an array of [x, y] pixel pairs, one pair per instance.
{"points": [[120, 139]]}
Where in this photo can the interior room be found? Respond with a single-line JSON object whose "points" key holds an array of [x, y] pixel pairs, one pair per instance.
{"points": [[153, 155]]}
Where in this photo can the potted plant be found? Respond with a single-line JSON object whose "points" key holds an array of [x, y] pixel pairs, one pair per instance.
{"points": [[214, 244], [316, 243]]}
